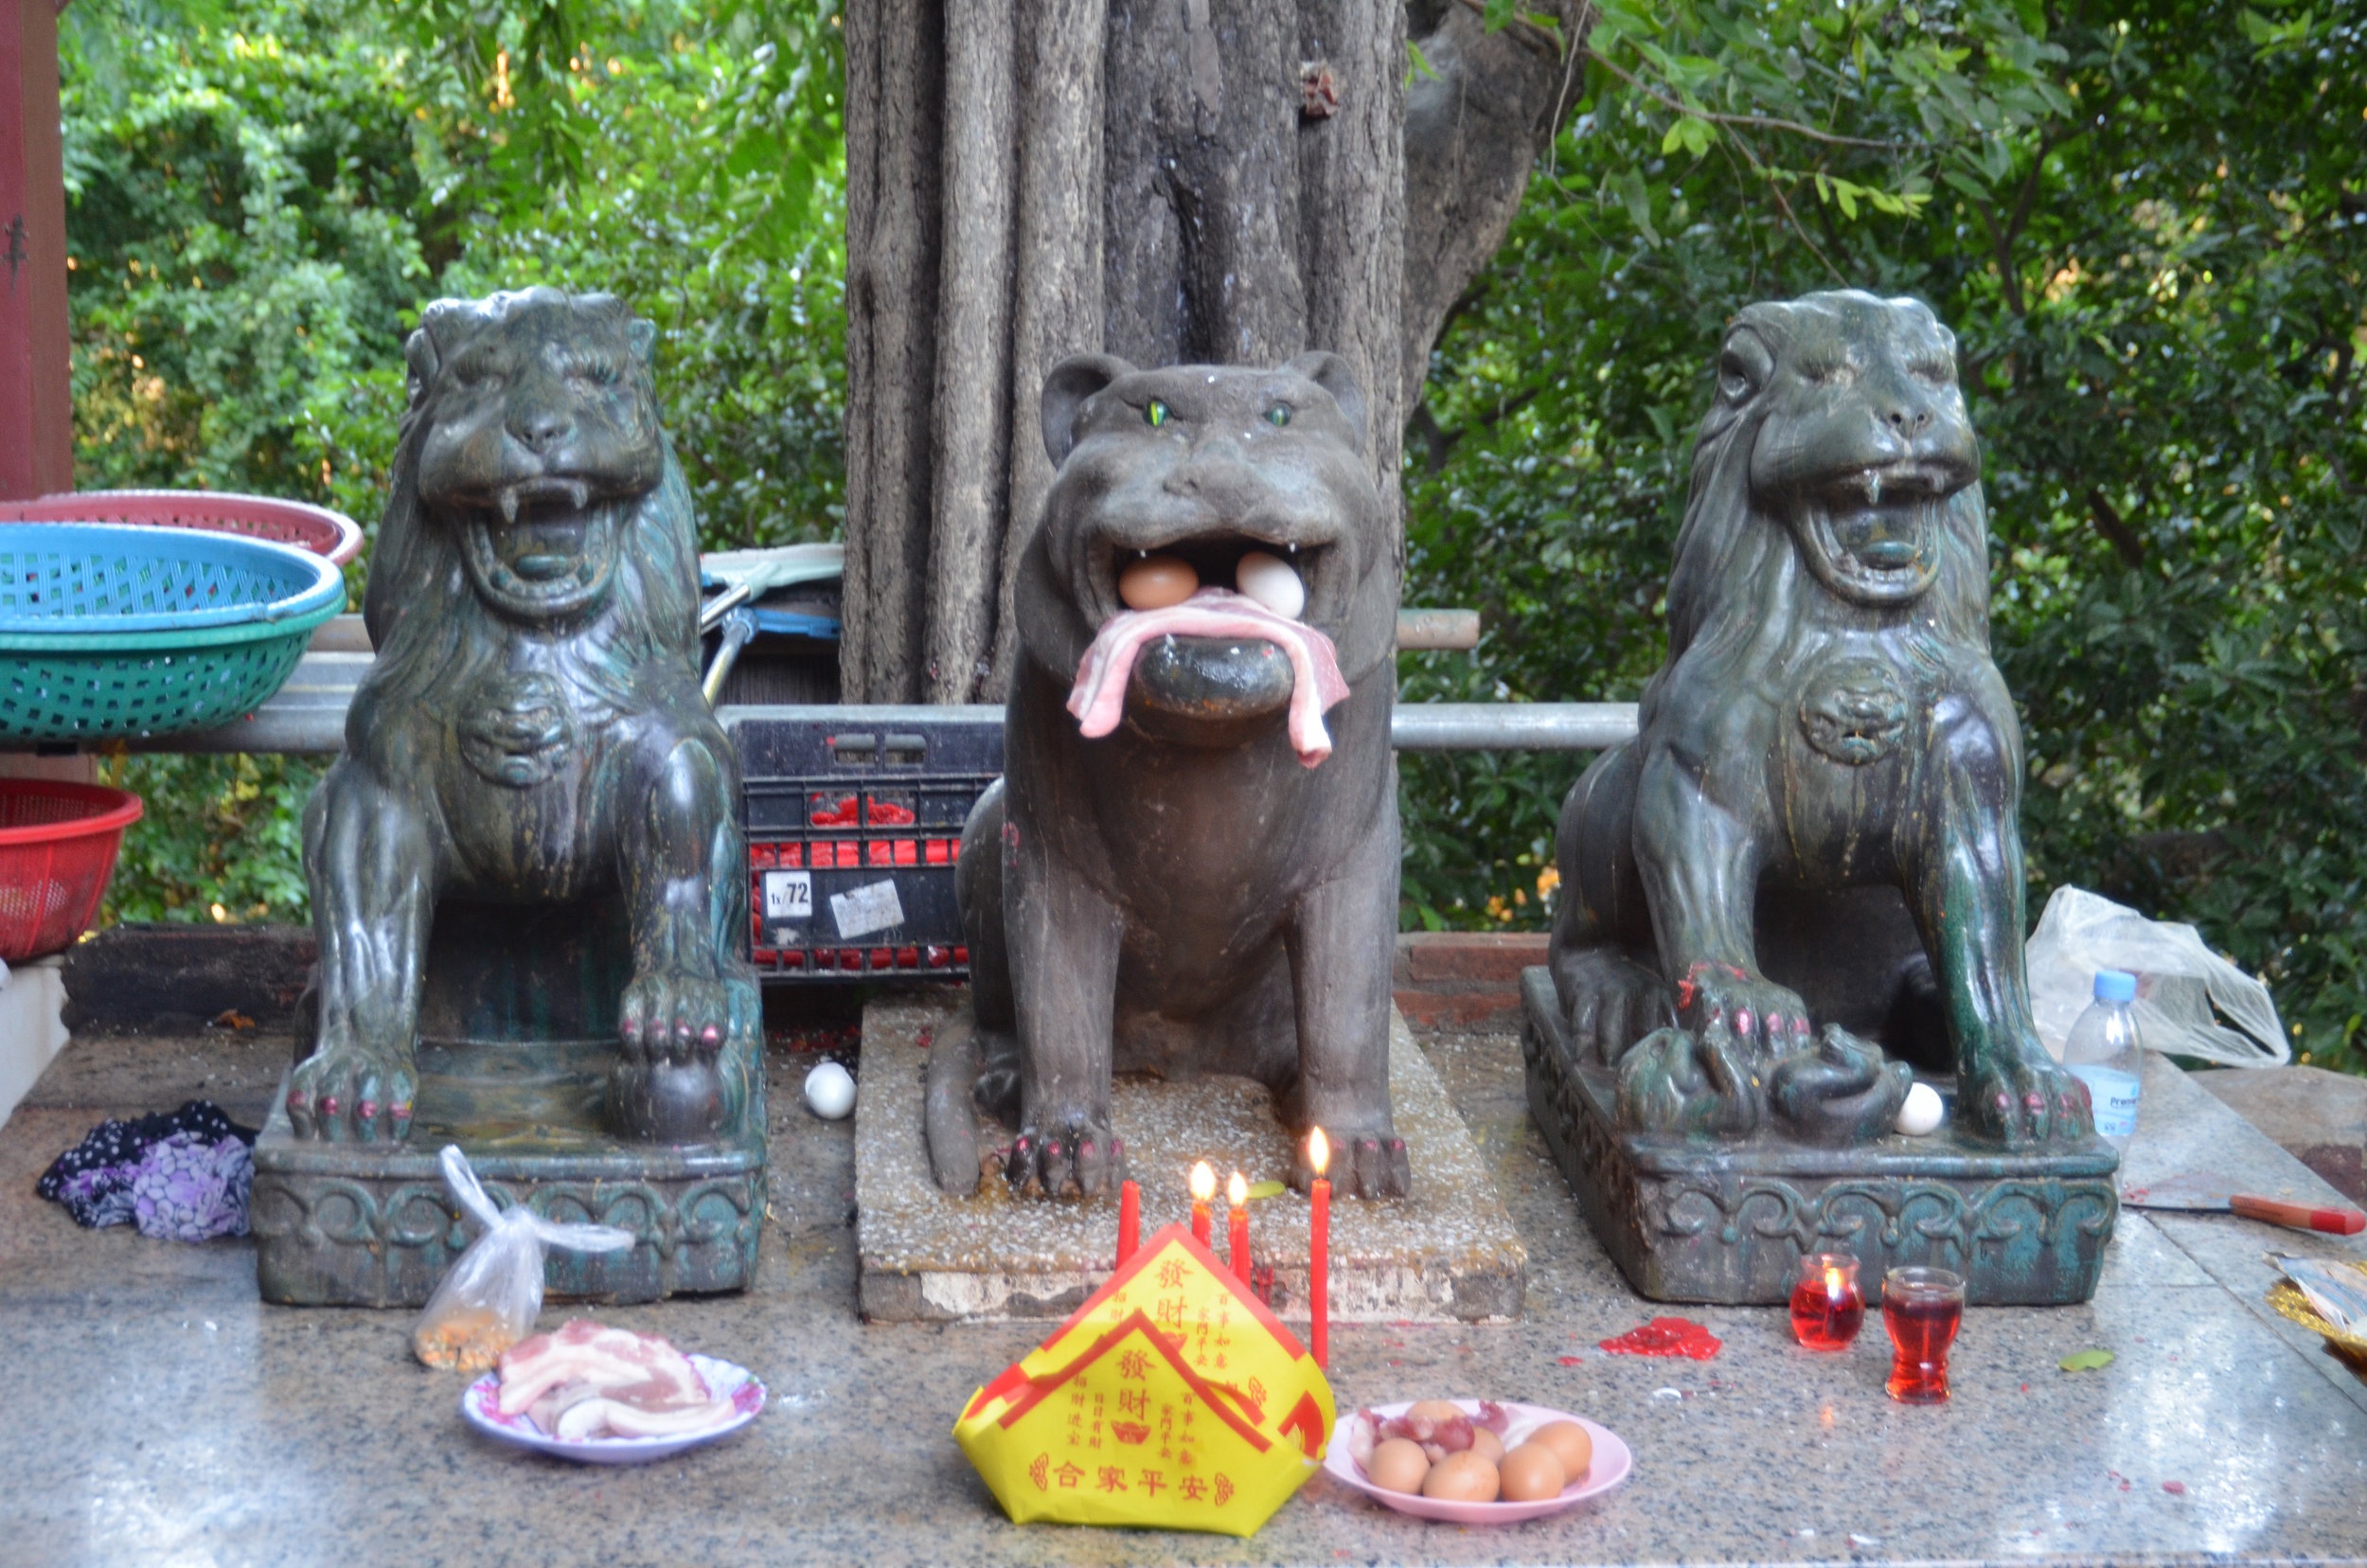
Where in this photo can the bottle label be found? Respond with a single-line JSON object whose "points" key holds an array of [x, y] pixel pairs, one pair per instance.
{"points": [[2113, 1093]]}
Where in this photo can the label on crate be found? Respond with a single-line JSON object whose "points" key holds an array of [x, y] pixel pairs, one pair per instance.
{"points": [[871, 907], [788, 895]]}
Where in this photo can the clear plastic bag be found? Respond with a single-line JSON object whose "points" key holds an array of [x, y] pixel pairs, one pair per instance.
{"points": [[2190, 1001], [488, 1300]]}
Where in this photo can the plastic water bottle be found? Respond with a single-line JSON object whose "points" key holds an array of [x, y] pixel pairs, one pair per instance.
{"points": [[2102, 1053]]}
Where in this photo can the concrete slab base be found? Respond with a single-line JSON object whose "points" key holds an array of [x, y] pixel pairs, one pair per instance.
{"points": [[1448, 1253]]}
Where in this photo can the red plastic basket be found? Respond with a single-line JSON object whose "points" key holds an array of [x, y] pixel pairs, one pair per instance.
{"points": [[58, 845], [297, 523]]}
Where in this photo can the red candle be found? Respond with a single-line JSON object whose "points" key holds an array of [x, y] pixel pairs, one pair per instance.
{"points": [[1203, 1189], [1319, 1251], [1129, 1220], [1237, 1226]]}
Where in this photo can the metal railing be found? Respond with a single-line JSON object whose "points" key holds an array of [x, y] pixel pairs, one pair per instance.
{"points": [[307, 717]]}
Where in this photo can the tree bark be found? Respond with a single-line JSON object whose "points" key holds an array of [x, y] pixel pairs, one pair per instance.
{"points": [[1224, 180]]}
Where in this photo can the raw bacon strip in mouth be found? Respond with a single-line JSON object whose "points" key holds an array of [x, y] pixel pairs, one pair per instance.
{"points": [[1098, 699]]}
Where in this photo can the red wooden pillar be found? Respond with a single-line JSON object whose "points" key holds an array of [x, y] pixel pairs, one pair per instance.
{"points": [[36, 395]]}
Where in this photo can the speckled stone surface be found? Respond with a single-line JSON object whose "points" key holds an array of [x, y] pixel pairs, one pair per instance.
{"points": [[158, 1413], [1448, 1252]]}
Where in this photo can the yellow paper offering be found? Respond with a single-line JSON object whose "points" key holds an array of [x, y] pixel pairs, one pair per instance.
{"points": [[1172, 1400]]}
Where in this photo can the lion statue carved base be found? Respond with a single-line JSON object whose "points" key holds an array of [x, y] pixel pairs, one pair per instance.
{"points": [[531, 733], [1816, 823]]}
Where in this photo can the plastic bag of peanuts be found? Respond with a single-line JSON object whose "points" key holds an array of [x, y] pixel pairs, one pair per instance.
{"points": [[488, 1299]]}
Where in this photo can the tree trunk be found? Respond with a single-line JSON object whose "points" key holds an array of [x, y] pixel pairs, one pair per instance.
{"points": [[1227, 181]]}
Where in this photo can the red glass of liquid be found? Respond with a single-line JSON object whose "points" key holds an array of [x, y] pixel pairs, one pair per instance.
{"points": [[1827, 1306], [1921, 1308]]}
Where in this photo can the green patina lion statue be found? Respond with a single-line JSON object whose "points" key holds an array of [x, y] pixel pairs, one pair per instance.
{"points": [[531, 733], [1817, 820]]}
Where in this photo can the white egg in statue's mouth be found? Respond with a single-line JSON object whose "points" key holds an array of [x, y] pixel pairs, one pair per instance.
{"points": [[1273, 582]]}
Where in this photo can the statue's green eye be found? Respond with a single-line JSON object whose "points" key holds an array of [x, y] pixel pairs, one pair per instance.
{"points": [[1154, 413], [1278, 415]]}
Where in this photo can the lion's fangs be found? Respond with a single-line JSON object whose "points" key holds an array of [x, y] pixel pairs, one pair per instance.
{"points": [[578, 494]]}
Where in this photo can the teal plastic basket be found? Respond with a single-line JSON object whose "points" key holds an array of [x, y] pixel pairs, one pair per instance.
{"points": [[110, 631]]}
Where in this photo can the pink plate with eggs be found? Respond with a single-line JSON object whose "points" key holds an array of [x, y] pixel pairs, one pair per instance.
{"points": [[1611, 1463], [481, 1404]]}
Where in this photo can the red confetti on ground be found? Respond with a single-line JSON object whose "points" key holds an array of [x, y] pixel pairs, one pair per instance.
{"points": [[1666, 1336], [1570, 1361], [2177, 1489]]}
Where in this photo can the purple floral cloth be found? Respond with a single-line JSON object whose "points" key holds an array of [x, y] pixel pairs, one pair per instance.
{"points": [[182, 1176], [187, 1190]]}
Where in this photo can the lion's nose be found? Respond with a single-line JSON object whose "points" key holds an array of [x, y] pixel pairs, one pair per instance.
{"points": [[1910, 419], [539, 430]]}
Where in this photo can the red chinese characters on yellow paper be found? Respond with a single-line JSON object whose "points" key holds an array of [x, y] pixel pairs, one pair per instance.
{"points": [[1171, 1398]]}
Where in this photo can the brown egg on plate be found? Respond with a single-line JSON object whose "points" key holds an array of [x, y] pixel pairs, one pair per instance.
{"points": [[1156, 581], [1464, 1477], [1488, 1444], [1530, 1472], [1397, 1465], [1571, 1445], [1435, 1409]]}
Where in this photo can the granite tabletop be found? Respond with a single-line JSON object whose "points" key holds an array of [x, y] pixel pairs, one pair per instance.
{"points": [[156, 1413]]}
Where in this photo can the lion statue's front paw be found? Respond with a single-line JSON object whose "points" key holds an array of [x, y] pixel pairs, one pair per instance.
{"points": [[1368, 1159], [348, 1093], [1069, 1153], [2022, 1098], [679, 1078], [1764, 1019]]}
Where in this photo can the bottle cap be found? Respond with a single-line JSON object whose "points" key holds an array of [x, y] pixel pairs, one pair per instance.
{"points": [[2115, 985]]}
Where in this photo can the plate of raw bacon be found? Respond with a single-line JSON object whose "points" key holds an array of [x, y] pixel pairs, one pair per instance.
{"points": [[610, 1397], [1511, 1422]]}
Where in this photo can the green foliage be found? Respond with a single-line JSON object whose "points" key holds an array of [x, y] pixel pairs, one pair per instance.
{"points": [[2149, 233], [222, 838], [261, 200]]}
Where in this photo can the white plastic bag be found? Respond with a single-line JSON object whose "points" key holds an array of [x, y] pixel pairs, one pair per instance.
{"points": [[488, 1300], [2180, 982]]}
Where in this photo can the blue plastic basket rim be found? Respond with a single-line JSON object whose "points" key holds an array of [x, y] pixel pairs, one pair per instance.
{"points": [[97, 643], [328, 583]]}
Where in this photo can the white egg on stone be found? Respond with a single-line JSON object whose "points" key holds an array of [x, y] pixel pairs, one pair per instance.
{"points": [[1922, 1113], [1269, 581], [830, 1090]]}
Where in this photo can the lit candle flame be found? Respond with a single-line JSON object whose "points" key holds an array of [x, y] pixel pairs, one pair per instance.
{"points": [[1236, 1190], [1318, 1150], [1832, 1282], [1204, 1182]]}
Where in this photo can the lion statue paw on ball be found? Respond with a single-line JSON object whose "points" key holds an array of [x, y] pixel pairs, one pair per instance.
{"points": [[1191, 864], [531, 731], [1816, 822]]}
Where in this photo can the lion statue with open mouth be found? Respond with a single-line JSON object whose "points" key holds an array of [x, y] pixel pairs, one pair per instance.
{"points": [[1816, 823], [531, 733]]}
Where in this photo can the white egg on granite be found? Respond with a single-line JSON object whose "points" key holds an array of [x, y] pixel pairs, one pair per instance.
{"points": [[1269, 581], [1922, 1113], [830, 1090]]}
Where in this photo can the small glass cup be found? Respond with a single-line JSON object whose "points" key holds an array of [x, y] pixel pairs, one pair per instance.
{"points": [[1827, 1306], [1922, 1308]]}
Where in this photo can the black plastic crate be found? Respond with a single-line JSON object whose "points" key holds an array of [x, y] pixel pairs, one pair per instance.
{"points": [[854, 819]]}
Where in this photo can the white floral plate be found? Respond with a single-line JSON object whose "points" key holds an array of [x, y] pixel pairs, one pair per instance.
{"points": [[1611, 1463], [481, 1404]]}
